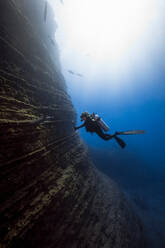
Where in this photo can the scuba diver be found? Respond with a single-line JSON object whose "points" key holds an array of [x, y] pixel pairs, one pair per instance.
{"points": [[94, 124]]}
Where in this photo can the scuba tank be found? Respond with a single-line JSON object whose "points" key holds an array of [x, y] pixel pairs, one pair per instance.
{"points": [[100, 122]]}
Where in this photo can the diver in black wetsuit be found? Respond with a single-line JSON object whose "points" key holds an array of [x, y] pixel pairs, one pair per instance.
{"points": [[92, 126]]}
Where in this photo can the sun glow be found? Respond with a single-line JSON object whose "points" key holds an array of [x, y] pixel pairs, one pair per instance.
{"points": [[109, 42], [104, 28]]}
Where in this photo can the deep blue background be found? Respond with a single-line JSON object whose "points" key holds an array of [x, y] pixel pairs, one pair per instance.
{"points": [[141, 107], [128, 93], [139, 169]]}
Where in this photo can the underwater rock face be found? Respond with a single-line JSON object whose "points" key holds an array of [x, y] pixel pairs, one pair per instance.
{"points": [[51, 195]]}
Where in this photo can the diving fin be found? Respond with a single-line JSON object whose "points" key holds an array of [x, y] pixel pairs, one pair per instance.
{"points": [[119, 141], [131, 132]]}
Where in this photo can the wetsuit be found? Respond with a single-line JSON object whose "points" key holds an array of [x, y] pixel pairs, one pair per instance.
{"points": [[92, 126]]}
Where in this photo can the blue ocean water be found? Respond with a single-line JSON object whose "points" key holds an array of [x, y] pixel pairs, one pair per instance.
{"points": [[128, 92], [139, 169], [141, 108]]}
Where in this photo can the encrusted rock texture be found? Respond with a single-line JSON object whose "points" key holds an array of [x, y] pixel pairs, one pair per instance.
{"points": [[51, 195]]}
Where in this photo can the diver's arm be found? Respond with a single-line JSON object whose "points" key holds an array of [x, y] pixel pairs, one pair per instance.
{"points": [[83, 125]]}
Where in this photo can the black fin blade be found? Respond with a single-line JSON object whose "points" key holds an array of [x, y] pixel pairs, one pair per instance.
{"points": [[120, 141]]}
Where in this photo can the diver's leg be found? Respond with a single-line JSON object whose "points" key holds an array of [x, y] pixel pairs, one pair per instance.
{"points": [[106, 137], [102, 135]]}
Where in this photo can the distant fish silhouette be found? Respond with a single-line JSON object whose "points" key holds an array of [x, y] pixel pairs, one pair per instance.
{"points": [[71, 72], [45, 11], [80, 75], [74, 73]]}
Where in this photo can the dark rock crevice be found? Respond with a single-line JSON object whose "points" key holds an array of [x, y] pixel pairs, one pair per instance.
{"points": [[51, 195]]}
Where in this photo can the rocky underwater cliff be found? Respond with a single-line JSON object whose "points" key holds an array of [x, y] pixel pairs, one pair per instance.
{"points": [[51, 195]]}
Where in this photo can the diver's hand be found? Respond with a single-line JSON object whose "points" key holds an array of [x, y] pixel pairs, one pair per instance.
{"points": [[75, 128]]}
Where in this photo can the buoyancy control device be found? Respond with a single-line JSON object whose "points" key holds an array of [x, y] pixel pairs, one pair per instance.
{"points": [[100, 122]]}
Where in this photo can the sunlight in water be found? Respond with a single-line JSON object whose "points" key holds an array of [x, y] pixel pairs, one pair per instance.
{"points": [[105, 40], [104, 28]]}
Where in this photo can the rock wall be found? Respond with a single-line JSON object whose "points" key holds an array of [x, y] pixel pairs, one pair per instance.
{"points": [[51, 195]]}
